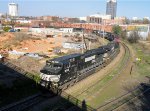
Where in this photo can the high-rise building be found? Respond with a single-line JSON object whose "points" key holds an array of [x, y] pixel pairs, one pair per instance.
{"points": [[13, 9], [111, 8]]}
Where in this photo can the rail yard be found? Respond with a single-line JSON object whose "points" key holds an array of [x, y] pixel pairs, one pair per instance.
{"points": [[99, 89], [61, 55]]}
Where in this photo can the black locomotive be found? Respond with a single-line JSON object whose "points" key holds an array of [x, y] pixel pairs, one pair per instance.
{"points": [[62, 72]]}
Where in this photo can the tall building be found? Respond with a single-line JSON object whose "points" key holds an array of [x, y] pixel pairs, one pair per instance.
{"points": [[13, 9], [0, 25], [111, 8]]}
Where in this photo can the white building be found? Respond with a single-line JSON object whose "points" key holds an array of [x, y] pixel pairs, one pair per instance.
{"points": [[143, 30], [135, 18], [24, 21], [146, 18], [83, 18], [103, 16], [13, 9]]}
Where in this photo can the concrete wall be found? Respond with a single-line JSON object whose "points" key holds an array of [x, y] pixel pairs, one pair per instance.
{"points": [[66, 30], [143, 30], [45, 31], [69, 45]]}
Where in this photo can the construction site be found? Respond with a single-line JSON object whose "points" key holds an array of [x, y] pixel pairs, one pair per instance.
{"points": [[32, 48], [25, 53]]}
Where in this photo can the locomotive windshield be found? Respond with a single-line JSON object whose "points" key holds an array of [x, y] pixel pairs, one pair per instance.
{"points": [[52, 68], [54, 65]]}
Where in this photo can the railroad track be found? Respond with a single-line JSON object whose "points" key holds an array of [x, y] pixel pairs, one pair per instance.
{"points": [[124, 99], [24, 104], [125, 60], [135, 98], [127, 52], [27, 102]]}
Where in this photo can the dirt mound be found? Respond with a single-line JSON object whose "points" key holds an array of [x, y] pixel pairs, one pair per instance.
{"points": [[6, 36], [28, 64]]}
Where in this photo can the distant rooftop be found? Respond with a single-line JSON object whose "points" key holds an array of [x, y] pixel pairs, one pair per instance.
{"points": [[112, 0], [12, 3]]}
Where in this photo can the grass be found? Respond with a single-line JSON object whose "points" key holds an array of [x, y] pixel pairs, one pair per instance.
{"points": [[143, 67], [95, 101], [97, 95], [123, 100]]}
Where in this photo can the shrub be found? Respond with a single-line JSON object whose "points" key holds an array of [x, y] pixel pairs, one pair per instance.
{"points": [[6, 29], [133, 37], [117, 29], [123, 34]]}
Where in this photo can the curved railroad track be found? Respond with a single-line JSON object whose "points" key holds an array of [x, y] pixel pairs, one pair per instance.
{"points": [[124, 99], [133, 95], [126, 59], [122, 67], [29, 102]]}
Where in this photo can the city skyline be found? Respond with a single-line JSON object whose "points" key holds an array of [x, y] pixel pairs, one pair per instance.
{"points": [[111, 8], [77, 8]]}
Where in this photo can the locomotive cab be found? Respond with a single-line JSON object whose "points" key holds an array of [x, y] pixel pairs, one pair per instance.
{"points": [[52, 67], [59, 70], [51, 72]]}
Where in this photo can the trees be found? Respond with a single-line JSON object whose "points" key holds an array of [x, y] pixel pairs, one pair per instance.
{"points": [[124, 34], [127, 21], [116, 29], [146, 21], [134, 37], [6, 29]]}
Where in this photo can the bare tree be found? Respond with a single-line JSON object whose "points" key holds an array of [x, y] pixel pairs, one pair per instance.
{"points": [[134, 37]]}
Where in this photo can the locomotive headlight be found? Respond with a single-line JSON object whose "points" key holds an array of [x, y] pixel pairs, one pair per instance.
{"points": [[54, 78], [45, 77]]}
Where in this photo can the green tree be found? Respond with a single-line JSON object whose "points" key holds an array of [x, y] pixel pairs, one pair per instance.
{"points": [[6, 29], [117, 29]]}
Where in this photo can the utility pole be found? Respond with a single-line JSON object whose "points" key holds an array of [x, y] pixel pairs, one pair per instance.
{"points": [[103, 36], [82, 41], [103, 31], [89, 44]]}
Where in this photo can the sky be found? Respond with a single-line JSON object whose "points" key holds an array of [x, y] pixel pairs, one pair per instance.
{"points": [[77, 8]]}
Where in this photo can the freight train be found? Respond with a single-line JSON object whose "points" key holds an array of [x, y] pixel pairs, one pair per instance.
{"points": [[62, 72]]}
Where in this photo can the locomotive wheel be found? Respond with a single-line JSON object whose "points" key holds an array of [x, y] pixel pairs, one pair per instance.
{"points": [[103, 65], [108, 61]]}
